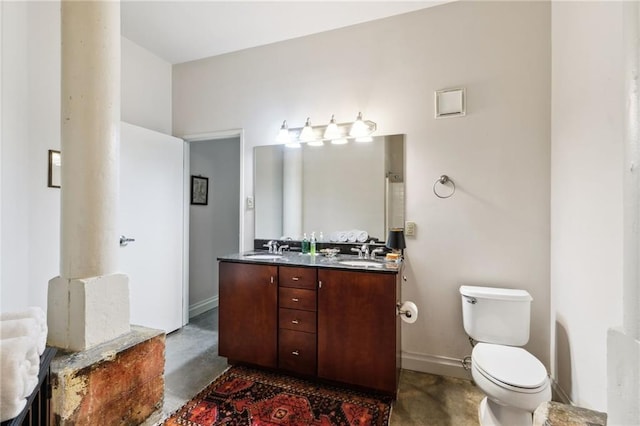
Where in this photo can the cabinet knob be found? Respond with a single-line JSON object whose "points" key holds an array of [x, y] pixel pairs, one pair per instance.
{"points": [[295, 299], [296, 353], [294, 322]]}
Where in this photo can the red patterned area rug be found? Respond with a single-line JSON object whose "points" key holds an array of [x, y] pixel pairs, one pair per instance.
{"points": [[243, 396]]}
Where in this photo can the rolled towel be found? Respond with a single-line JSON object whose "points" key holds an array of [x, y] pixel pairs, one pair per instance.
{"points": [[23, 327], [362, 236], [18, 356], [36, 313]]}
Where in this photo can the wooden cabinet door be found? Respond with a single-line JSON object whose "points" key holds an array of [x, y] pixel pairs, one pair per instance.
{"points": [[248, 313], [357, 329]]}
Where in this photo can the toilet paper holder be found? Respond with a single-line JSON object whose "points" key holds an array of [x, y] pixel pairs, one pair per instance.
{"points": [[400, 311]]}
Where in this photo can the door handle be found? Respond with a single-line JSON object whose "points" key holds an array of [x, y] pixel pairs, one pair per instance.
{"points": [[124, 240]]}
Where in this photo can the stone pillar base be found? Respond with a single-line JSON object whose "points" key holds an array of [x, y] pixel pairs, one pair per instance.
{"points": [[120, 382], [85, 312], [556, 414]]}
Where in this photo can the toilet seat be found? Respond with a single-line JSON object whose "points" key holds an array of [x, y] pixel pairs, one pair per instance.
{"points": [[510, 367]]}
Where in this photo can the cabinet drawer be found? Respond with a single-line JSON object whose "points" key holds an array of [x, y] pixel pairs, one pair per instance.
{"points": [[296, 298], [298, 277], [295, 319], [297, 351]]}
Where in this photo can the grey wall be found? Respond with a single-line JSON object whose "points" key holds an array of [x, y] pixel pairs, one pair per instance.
{"points": [[214, 228], [495, 229]]}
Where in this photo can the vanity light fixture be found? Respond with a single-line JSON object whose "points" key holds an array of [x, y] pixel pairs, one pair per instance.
{"points": [[283, 134], [337, 133], [332, 132], [306, 134], [359, 129]]}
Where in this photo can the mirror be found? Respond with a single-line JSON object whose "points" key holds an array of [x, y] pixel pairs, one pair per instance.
{"points": [[333, 189]]}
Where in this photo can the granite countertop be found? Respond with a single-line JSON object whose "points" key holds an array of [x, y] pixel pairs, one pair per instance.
{"points": [[319, 261]]}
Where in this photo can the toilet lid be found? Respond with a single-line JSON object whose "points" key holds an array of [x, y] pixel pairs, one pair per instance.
{"points": [[510, 365]]}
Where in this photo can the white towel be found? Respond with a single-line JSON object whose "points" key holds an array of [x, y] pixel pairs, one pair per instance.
{"points": [[39, 316], [362, 236], [351, 235], [19, 366], [24, 327], [342, 236]]}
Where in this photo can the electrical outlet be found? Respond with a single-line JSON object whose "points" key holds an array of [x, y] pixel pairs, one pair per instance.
{"points": [[250, 203], [410, 229]]}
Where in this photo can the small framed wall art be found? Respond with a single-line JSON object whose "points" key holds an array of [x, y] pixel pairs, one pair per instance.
{"points": [[55, 163], [199, 190], [451, 102]]}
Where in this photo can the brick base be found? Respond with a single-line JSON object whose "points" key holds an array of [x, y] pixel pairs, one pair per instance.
{"points": [[119, 382]]}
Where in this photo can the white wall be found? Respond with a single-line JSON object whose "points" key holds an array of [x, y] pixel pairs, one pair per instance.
{"points": [[30, 238], [214, 229], [495, 229], [146, 88], [586, 203], [15, 176]]}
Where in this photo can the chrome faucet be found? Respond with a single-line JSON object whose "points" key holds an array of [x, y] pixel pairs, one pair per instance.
{"points": [[272, 245], [356, 249], [282, 248], [365, 251], [375, 251]]}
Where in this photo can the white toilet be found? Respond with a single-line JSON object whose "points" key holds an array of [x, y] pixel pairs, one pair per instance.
{"points": [[515, 381]]}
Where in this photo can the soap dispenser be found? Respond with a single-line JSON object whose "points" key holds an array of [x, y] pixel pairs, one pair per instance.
{"points": [[305, 244], [312, 245]]}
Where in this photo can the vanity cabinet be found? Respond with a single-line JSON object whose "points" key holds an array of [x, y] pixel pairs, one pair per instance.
{"points": [[335, 324], [358, 329], [248, 313]]}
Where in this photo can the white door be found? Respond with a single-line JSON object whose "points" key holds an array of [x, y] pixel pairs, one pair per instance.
{"points": [[151, 212]]}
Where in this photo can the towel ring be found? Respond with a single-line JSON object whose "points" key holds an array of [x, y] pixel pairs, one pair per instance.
{"points": [[444, 179]]}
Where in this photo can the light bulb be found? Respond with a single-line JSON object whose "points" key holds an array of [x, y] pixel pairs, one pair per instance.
{"points": [[332, 132], [306, 134], [283, 134], [359, 128]]}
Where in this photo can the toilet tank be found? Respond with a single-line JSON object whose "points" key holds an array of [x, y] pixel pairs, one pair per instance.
{"points": [[496, 315]]}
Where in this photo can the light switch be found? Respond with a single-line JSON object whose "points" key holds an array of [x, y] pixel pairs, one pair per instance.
{"points": [[250, 203], [410, 229]]}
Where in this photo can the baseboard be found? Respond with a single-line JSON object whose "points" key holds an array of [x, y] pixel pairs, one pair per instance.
{"points": [[203, 306], [559, 394], [434, 364]]}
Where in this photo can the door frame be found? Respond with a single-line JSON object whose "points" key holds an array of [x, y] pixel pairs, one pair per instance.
{"points": [[199, 137]]}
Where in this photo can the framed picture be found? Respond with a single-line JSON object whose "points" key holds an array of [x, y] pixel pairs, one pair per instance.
{"points": [[55, 161], [199, 190]]}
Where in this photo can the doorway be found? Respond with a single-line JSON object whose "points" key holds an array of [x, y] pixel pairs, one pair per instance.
{"points": [[213, 225]]}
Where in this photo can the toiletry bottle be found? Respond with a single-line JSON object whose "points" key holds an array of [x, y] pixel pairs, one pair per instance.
{"points": [[312, 245], [305, 244], [321, 237]]}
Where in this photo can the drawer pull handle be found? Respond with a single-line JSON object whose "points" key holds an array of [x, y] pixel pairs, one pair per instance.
{"points": [[294, 322], [295, 299], [296, 353], [295, 278]]}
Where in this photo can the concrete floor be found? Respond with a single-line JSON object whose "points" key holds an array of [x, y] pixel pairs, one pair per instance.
{"points": [[192, 362]]}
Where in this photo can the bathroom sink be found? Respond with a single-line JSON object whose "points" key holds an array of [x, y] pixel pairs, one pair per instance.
{"points": [[361, 263], [264, 256]]}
